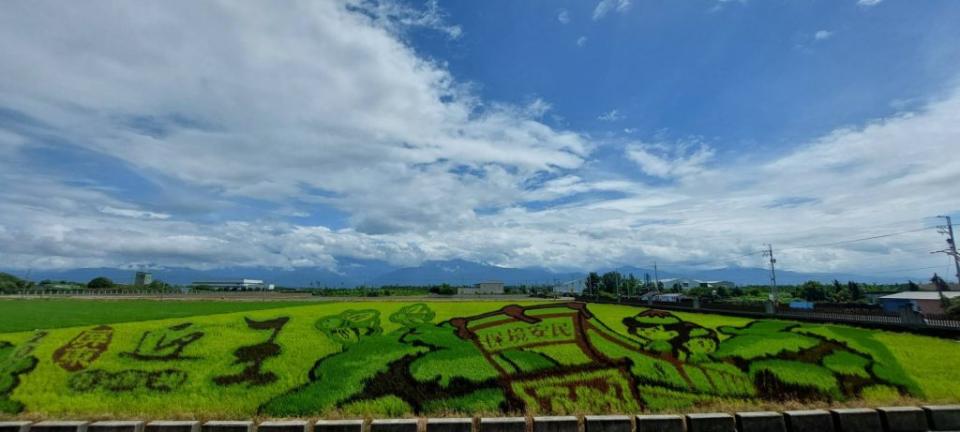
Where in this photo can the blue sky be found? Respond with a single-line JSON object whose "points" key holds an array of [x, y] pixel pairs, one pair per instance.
{"points": [[568, 135]]}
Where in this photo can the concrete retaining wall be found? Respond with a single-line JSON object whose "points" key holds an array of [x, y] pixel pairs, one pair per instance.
{"points": [[884, 419]]}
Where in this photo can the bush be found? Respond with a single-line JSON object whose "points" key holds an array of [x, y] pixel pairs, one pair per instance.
{"points": [[11, 283], [100, 282], [953, 310]]}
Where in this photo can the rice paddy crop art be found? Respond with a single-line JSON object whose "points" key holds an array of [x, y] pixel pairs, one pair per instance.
{"points": [[360, 358]]}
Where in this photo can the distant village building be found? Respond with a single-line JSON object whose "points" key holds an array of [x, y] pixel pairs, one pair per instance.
{"points": [[234, 285], [685, 284], [927, 302], [482, 288], [142, 279], [578, 285]]}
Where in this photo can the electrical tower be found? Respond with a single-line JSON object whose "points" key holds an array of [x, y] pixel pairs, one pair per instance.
{"points": [[951, 249], [656, 277], [773, 274]]}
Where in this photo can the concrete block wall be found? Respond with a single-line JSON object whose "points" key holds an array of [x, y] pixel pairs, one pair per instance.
{"points": [[883, 419]]}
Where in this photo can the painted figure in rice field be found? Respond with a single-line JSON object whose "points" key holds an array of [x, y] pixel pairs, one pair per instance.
{"points": [[559, 358]]}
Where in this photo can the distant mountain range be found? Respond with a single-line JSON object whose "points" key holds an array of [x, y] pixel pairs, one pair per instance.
{"points": [[354, 272]]}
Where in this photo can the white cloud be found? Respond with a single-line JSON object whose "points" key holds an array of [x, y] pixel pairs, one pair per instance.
{"points": [[537, 108], [563, 16], [581, 41], [398, 16], [669, 161], [315, 105], [611, 116], [307, 97], [868, 3], [720, 4], [604, 7], [822, 35], [133, 213]]}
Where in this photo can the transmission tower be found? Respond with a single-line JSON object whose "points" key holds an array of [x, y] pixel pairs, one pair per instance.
{"points": [[951, 249], [656, 276], [774, 297]]}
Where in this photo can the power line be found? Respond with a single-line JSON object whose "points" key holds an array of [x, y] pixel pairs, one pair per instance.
{"points": [[908, 269], [858, 239], [837, 243]]}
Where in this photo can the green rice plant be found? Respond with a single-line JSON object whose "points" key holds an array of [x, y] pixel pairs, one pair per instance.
{"points": [[400, 358], [605, 390], [390, 406], [880, 394], [447, 356], [800, 375], [566, 355], [762, 339], [886, 366], [486, 400], [661, 399], [18, 315], [527, 361], [846, 363]]}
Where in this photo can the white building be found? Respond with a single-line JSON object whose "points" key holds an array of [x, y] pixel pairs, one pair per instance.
{"points": [[482, 288], [685, 284], [235, 285]]}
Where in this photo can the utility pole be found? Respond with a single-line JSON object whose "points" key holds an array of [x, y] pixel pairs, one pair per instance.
{"points": [[773, 274], [656, 277], [951, 249], [618, 286]]}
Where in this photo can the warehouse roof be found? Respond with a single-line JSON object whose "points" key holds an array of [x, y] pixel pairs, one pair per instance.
{"points": [[921, 295]]}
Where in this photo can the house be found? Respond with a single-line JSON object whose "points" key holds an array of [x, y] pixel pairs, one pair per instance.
{"points": [[668, 298], [927, 302], [482, 288], [684, 284], [142, 278], [234, 285], [678, 284]]}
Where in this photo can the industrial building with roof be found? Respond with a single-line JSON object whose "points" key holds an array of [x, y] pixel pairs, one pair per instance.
{"points": [[927, 302]]}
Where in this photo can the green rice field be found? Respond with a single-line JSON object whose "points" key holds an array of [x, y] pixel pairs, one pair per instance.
{"points": [[356, 359], [21, 315]]}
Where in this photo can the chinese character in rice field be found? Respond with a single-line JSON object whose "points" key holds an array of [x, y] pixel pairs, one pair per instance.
{"points": [[84, 348], [253, 356], [165, 344], [127, 380], [15, 361]]}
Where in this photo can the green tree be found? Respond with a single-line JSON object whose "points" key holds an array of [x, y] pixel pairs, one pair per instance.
{"points": [[939, 283], [11, 283], [593, 283], [813, 291], [953, 308], [856, 292], [912, 286], [611, 280], [632, 285], [158, 285], [100, 282]]}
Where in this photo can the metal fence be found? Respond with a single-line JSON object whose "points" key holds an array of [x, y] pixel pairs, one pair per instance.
{"points": [[906, 319]]}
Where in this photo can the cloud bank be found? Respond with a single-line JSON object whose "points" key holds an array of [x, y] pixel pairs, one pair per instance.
{"points": [[289, 137]]}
